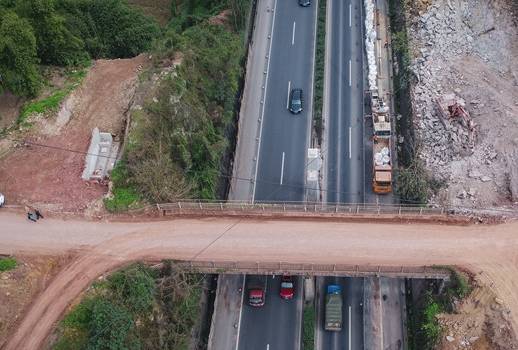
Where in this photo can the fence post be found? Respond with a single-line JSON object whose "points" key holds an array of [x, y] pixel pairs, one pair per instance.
{"points": [[221, 206], [421, 211], [399, 211], [201, 207], [180, 205]]}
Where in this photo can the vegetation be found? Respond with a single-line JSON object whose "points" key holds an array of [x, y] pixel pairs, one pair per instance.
{"points": [[319, 69], [413, 183], [7, 264], [424, 330], [308, 327], [125, 195], [134, 308], [65, 33], [179, 138], [52, 102]]}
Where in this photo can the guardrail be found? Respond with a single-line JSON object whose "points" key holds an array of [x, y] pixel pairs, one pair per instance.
{"points": [[286, 207], [233, 267]]}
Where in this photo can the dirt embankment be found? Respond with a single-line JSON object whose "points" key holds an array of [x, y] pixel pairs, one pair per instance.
{"points": [[19, 287], [51, 177]]}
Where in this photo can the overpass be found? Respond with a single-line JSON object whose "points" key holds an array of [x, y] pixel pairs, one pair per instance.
{"points": [[99, 246]]}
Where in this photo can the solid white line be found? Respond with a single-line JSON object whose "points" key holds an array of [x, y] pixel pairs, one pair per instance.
{"points": [[350, 143], [350, 328], [350, 15], [288, 97], [282, 174], [264, 102], [240, 312], [293, 35], [350, 72], [267, 346]]}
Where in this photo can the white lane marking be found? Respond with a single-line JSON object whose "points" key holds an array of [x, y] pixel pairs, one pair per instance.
{"points": [[240, 313], [267, 346], [288, 98], [350, 342], [282, 175], [293, 34], [350, 15], [264, 102], [350, 72], [350, 142]]}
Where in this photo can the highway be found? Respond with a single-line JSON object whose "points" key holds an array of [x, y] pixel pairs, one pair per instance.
{"points": [[280, 174], [351, 335], [285, 137], [276, 325], [343, 111]]}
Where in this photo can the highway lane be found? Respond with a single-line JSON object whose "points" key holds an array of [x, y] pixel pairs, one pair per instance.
{"points": [[344, 140], [351, 335], [284, 136], [277, 324]]}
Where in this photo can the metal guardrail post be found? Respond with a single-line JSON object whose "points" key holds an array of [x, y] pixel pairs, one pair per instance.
{"points": [[379, 210], [336, 208], [284, 206], [421, 211], [179, 205], [357, 209], [399, 212], [221, 206], [201, 207]]}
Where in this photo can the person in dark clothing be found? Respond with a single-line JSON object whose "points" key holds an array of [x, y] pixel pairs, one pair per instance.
{"points": [[38, 214]]}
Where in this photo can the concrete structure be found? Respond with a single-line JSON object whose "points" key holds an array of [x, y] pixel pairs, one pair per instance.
{"points": [[101, 156]]}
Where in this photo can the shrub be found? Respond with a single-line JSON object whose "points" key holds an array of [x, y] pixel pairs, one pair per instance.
{"points": [[7, 264]]}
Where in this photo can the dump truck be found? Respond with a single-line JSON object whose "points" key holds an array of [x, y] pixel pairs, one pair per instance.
{"points": [[382, 165], [381, 147], [256, 288], [333, 316]]}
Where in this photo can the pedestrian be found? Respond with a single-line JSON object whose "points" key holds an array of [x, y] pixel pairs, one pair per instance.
{"points": [[38, 214]]}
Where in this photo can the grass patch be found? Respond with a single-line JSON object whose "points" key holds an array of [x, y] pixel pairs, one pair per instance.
{"points": [[308, 327], [125, 196], [51, 103], [318, 96], [7, 264]]}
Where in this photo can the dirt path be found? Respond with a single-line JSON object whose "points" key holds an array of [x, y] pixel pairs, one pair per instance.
{"points": [[490, 251]]}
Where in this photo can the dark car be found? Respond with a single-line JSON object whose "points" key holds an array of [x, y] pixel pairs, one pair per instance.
{"points": [[287, 287], [304, 3], [296, 101]]}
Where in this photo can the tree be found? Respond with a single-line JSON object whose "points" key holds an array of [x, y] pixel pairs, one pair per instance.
{"points": [[56, 44], [18, 57]]}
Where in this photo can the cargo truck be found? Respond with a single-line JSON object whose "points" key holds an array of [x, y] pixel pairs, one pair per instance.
{"points": [[381, 147], [333, 316], [256, 288]]}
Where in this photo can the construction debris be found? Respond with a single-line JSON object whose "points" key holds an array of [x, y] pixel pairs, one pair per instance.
{"points": [[465, 50]]}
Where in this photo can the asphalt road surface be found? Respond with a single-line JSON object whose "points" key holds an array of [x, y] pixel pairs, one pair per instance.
{"points": [[351, 335], [343, 149], [284, 136], [277, 324]]}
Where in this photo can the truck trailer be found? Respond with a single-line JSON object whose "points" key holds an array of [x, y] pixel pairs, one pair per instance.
{"points": [[333, 316]]}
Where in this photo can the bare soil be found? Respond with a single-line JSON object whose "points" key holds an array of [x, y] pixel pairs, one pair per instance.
{"points": [[50, 177], [488, 251], [10, 106], [480, 322], [158, 9], [20, 286]]}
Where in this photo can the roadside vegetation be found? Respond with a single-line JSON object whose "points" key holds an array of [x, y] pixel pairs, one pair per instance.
{"points": [[7, 264], [308, 327], [413, 183], [424, 330], [180, 135], [135, 308], [319, 70]]}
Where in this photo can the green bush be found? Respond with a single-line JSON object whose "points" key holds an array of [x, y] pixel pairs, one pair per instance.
{"points": [[308, 327], [431, 328], [412, 183], [135, 287], [7, 264]]}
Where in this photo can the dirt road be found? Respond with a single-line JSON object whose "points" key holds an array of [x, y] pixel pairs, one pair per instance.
{"points": [[491, 251]]}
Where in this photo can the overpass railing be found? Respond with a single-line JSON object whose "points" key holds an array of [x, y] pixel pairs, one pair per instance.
{"points": [[250, 267]]}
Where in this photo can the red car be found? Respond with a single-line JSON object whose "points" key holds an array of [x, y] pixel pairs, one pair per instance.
{"points": [[287, 287]]}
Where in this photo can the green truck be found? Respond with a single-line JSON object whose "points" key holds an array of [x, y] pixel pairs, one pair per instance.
{"points": [[333, 317]]}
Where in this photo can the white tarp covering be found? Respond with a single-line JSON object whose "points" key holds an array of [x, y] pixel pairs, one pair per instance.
{"points": [[370, 41]]}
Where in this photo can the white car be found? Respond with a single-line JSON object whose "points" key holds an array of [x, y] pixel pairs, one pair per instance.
{"points": [[2, 199]]}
